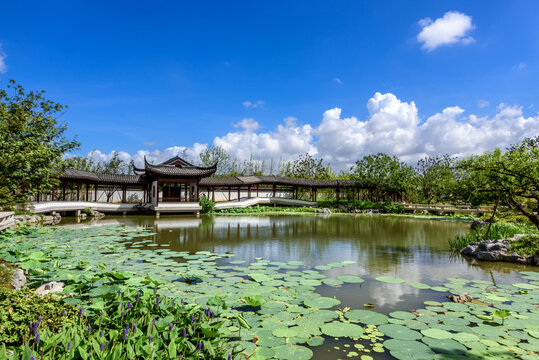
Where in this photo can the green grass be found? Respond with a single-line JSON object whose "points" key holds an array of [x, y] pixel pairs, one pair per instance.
{"points": [[499, 230], [526, 245]]}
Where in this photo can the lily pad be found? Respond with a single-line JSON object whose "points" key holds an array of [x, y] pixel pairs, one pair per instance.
{"points": [[322, 302], [389, 279], [366, 317], [399, 332], [437, 333], [339, 329], [350, 279]]}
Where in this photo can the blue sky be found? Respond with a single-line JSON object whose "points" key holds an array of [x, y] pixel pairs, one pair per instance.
{"points": [[152, 78]]}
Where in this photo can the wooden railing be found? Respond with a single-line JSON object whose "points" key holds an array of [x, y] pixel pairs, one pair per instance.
{"points": [[7, 220]]}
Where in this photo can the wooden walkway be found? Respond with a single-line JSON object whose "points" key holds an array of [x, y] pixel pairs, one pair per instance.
{"points": [[7, 220]]}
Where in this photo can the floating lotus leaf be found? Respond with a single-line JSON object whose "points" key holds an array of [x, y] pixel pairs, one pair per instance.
{"points": [[348, 262], [366, 317], [322, 302], [389, 279], [310, 282], [332, 282], [322, 267], [295, 263], [488, 330], [399, 332], [433, 303], [439, 288], [315, 341], [533, 333], [339, 329], [405, 349], [437, 333], [286, 332], [445, 346], [403, 315], [419, 285], [292, 352], [350, 279]]}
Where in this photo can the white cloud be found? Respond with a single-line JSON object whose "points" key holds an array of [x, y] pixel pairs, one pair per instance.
{"points": [[338, 81], [248, 124], [483, 103], [392, 126], [519, 66], [3, 65], [452, 28], [253, 105]]}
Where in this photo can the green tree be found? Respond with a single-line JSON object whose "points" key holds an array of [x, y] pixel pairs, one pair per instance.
{"points": [[512, 176], [307, 167], [216, 154], [32, 142], [435, 178], [383, 175]]}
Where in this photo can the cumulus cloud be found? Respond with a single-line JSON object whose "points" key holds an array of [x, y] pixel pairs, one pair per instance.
{"points": [[452, 28], [248, 124], [3, 65], [253, 105], [393, 126]]}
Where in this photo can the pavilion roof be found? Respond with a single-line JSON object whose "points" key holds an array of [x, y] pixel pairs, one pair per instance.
{"points": [[278, 180], [179, 170], [74, 174]]}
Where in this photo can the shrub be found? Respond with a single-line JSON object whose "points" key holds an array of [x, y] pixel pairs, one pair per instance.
{"points": [[207, 205], [499, 230], [526, 245]]}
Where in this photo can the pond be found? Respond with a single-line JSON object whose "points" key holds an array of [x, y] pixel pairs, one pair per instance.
{"points": [[381, 250]]}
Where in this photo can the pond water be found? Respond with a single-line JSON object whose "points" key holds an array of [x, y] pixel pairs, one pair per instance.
{"points": [[412, 249]]}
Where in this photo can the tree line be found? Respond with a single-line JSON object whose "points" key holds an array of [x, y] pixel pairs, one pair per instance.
{"points": [[34, 145]]}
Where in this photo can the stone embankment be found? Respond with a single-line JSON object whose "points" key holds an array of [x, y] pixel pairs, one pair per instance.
{"points": [[37, 219], [499, 250]]}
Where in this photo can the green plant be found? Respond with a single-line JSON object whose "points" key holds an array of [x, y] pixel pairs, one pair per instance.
{"points": [[207, 205], [6, 274], [141, 209], [526, 245]]}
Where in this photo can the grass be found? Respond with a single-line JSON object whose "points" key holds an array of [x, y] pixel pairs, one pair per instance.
{"points": [[526, 245], [499, 230]]}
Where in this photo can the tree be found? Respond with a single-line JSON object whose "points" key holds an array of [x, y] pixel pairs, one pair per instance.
{"points": [[307, 167], [511, 176], [383, 175], [216, 154], [32, 142], [435, 178]]}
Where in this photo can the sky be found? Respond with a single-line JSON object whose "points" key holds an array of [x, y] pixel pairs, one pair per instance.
{"points": [[276, 79]]}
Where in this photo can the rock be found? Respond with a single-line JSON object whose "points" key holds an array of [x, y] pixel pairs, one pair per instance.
{"points": [[488, 255], [50, 288], [498, 246], [18, 280], [469, 250], [96, 213], [461, 299], [478, 224], [514, 257], [323, 211], [83, 216]]}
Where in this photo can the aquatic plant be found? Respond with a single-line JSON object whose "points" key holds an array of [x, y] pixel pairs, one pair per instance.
{"points": [[499, 230]]}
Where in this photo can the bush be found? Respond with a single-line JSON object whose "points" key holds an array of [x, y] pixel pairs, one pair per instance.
{"points": [[266, 209], [134, 325], [207, 205], [499, 230], [526, 245]]}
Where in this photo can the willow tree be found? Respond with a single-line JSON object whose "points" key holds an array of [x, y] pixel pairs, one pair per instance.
{"points": [[511, 176], [32, 142]]}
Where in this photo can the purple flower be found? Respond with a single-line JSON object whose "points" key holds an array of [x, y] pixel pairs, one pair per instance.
{"points": [[122, 314], [138, 296], [39, 320], [200, 345], [119, 292], [107, 343], [89, 329], [37, 338], [155, 290], [125, 334], [102, 346], [199, 317], [31, 326], [63, 312], [134, 328], [129, 305], [154, 321], [118, 303], [127, 327], [89, 356], [32, 357], [101, 333], [229, 357], [157, 301], [170, 327], [80, 313], [172, 303], [184, 332], [68, 345], [36, 324], [150, 339], [191, 317]]}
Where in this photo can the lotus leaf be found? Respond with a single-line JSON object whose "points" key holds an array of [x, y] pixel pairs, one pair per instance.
{"points": [[389, 279], [322, 302], [399, 332], [339, 329]]}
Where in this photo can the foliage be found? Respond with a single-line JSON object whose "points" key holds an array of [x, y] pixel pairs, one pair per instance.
{"points": [[216, 155], [115, 165], [435, 178], [383, 175], [307, 167], [133, 325], [20, 308], [513, 176], [387, 207], [207, 205], [32, 141], [499, 230], [19, 230], [526, 245], [266, 209], [6, 275]]}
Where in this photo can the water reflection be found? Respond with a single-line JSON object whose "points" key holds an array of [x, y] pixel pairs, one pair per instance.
{"points": [[413, 249]]}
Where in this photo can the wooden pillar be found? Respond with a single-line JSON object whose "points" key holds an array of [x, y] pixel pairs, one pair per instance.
{"points": [[212, 193], [249, 191], [95, 192], [157, 198], [229, 194], [87, 191], [198, 181], [257, 190], [124, 193], [239, 193], [78, 191], [63, 191], [274, 190], [315, 193]]}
